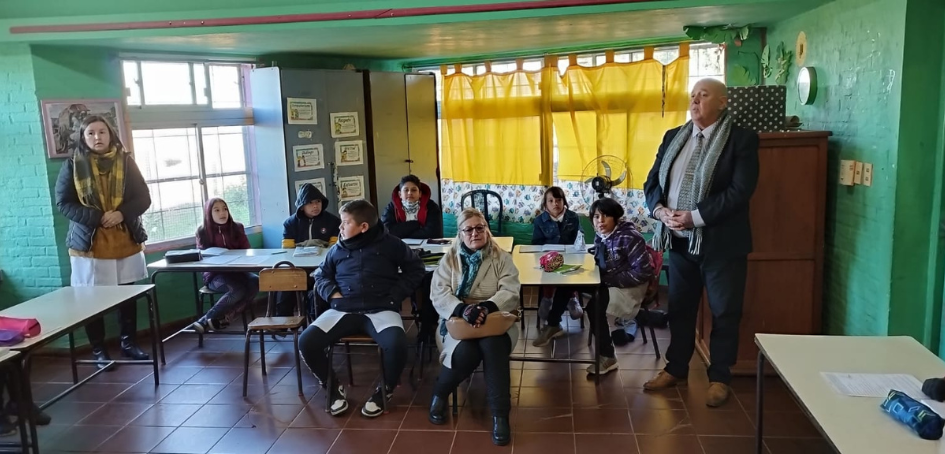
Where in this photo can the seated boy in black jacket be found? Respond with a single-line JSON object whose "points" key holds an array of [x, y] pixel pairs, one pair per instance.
{"points": [[311, 225], [366, 277]]}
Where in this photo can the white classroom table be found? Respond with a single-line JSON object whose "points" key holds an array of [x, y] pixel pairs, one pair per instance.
{"points": [[504, 242], [530, 273], [853, 425], [64, 310]]}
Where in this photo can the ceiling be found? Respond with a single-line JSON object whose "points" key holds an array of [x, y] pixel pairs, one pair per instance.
{"points": [[447, 36]]}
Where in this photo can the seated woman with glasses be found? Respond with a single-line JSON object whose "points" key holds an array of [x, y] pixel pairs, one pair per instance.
{"points": [[475, 278]]}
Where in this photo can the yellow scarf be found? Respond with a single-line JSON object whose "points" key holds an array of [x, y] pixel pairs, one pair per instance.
{"points": [[89, 168]]}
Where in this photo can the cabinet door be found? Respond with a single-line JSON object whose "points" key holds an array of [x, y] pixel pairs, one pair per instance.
{"points": [[422, 130], [390, 130]]}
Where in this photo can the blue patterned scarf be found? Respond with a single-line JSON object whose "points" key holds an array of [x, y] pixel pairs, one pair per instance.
{"points": [[470, 261]]}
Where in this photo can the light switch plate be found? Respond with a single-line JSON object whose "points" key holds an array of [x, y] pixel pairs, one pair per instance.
{"points": [[867, 174], [858, 173]]}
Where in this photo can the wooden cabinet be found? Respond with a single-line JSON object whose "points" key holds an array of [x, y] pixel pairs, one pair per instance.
{"points": [[785, 270]]}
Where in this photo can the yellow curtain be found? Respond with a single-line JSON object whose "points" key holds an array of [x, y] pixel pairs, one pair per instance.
{"points": [[618, 109], [491, 126]]}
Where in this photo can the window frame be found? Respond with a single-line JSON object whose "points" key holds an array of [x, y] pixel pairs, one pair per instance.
{"points": [[196, 116]]}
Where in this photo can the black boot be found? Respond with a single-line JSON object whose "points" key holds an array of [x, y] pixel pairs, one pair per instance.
{"points": [[95, 330], [128, 322], [501, 433], [438, 410], [12, 412]]}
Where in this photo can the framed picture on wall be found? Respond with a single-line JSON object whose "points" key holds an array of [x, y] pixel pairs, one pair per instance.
{"points": [[62, 118], [345, 124], [351, 188], [319, 184], [308, 157], [349, 153]]}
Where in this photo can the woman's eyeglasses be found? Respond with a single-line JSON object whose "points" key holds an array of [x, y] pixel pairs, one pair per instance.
{"points": [[478, 229]]}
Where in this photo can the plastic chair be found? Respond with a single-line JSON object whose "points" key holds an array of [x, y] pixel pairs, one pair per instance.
{"points": [[479, 199]]}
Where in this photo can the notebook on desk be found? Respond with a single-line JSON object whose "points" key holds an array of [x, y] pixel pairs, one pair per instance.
{"points": [[542, 248]]}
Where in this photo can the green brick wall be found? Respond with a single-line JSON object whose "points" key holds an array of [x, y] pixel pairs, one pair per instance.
{"points": [[29, 255]]}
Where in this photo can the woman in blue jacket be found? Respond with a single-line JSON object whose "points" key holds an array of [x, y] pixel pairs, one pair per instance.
{"points": [[555, 225]]}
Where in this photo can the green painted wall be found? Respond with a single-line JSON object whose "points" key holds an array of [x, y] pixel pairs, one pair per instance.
{"points": [[857, 48], [29, 254], [913, 308]]}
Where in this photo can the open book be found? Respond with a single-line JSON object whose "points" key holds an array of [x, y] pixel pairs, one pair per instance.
{"points": [[543, 248]]}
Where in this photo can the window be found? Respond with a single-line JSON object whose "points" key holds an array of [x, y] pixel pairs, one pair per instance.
{"points": [[706, 60], [191, 130]]}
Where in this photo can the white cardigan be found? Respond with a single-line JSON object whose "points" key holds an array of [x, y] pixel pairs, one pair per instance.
{"points": [[496, 281]]}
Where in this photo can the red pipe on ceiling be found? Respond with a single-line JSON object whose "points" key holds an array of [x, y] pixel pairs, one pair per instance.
{"points": [[317, 17]]}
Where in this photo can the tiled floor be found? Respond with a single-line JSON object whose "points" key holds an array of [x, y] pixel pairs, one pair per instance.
{"points": [[199, 408]]}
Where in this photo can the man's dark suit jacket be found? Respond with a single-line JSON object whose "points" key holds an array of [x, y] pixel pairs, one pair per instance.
{"points": [[727, 230]]}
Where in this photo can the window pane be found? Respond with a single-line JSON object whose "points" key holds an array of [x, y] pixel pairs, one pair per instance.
{"points": [[622, 57], [223, 149], [225, 86], [200, 83], [130, 70], [666, 56], [532, 65], [166, 83], [166, 153], [176, 210], [235, 191]]}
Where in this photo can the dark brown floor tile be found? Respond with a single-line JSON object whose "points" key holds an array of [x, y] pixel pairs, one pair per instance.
{"points": [[602, 420], [546, 378], [315, 416], [721, 422], [660, 422], [247, 440], [97, 392], [774, 401], [45, 391], [727, 445], [81, 438], [588, 397], [309, 441], [114, 414], [270, 416], [49, 433], [388, 421], [272, 378], [233, 394], [669, 444], [178, 375], [581, 379], [554, 420], [414, 442], [167, 415], [215, 376], [543, 443], [190, 440], [479, 419], [69, 413], [135, 439], [787, 424], [126, 374], [605, 443], [417, 418], [667, 399], [479, 443], [351, 441], [145, 393], [538, 396], [224, 416], [798, 445], [640, 362], [289, 394], [636, 378], [195, 358], [192, 394]]}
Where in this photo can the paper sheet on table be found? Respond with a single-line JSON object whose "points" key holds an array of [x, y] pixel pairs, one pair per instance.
{"points": [[542, 248], [214, 251], [873, 385], [412, 241], [219, 259], [250, 260]]}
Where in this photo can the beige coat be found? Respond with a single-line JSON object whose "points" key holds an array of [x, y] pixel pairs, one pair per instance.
{"points": [[497, 281]]}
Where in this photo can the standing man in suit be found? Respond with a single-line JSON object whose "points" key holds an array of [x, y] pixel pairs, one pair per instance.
{"points": [[699, 188]]}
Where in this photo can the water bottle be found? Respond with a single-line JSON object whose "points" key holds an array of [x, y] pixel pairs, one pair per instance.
{"points": [[579, 246]]}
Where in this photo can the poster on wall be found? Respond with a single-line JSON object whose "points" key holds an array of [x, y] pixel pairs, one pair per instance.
{"points": [[308, 157], [349, 153], [351, 188], [345, 124], [301, 111], [62, 118], [319, 184]]}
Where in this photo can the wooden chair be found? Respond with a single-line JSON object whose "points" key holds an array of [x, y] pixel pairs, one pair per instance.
{"points": [[279, 278], [358, 340]]}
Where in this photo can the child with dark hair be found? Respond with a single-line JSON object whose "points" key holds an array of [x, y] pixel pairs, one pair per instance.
{"points": [[412, 213], [625, 272], [366, 277], [239, 289], [556, 224]]}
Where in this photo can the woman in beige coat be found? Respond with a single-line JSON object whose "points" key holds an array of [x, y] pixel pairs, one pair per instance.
{"points": [[476, 277]]}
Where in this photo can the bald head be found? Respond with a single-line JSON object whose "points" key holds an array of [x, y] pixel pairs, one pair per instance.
{"points": [[708, 100]]}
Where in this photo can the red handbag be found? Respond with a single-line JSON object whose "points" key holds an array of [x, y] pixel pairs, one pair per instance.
{"points": [[28, 327]]}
